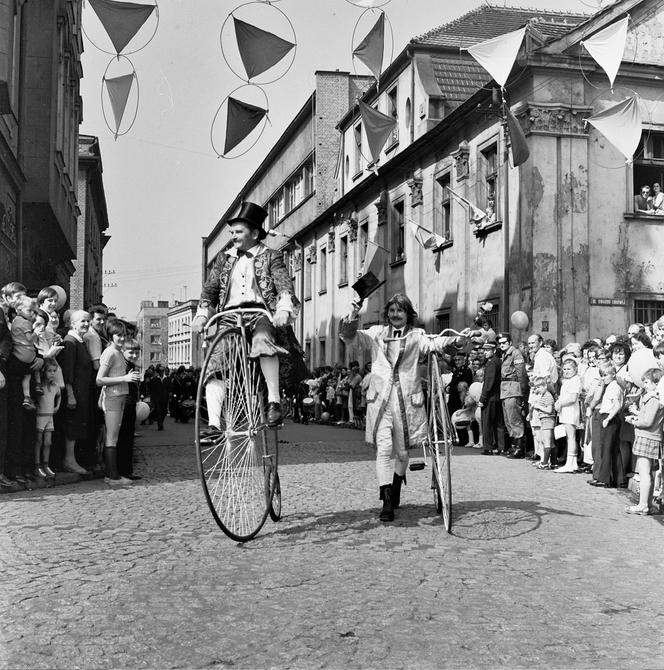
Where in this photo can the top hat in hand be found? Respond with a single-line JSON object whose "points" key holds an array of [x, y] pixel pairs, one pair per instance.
{"points": [[252, 215]]}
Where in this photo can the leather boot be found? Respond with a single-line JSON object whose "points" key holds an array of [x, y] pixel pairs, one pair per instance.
{"points": [[517, 452], [387, 513], [396, 489]]}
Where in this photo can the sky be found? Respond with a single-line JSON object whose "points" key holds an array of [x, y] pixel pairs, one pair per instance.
{"points": [[165, 186]]}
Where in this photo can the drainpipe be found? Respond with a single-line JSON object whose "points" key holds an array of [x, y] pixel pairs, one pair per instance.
{"points": [[301, 290], [506, 231]]}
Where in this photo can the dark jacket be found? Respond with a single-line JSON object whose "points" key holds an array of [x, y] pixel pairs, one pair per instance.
{"points": [[5, 342], [491, 385]]}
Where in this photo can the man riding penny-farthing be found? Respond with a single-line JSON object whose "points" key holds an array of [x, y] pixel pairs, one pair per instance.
{"points": [[245, 311]]}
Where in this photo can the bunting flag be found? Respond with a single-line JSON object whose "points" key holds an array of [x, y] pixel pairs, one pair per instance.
{"points": [[608, 46], [497, 55], [370, 49], [259, 49], [477, 214], [425, 238], [518, 142], [378, 128], [118, 91], [241, 119], [621, 125], [121, 20], [372, 268]]}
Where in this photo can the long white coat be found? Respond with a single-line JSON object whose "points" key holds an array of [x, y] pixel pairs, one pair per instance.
{"points": [[395, 379]]}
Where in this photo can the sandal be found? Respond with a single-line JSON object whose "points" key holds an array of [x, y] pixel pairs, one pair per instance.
{"points": [[635, 509], [543, 466]]}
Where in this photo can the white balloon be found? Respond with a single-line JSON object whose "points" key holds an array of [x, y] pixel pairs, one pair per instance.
{"points": [[142, 411], [640, 361], [475, 391]]}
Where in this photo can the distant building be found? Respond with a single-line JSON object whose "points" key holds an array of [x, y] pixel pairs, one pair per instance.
{"points": [[152, 324], [86, 284], [184, 346]]}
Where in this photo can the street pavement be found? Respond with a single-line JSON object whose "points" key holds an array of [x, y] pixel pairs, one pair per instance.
{"points": [[540, 571]]}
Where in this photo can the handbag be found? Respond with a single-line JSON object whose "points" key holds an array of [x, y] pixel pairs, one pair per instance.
{"points": [[559, 431]]}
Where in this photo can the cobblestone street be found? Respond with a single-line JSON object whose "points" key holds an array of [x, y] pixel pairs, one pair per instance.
{"points": [[540, 570]]}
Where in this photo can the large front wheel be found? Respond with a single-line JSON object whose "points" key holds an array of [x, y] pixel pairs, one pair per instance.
{"points": [[236, 465]]}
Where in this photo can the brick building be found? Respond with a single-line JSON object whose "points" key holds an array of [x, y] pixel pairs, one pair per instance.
{"points": [[152, 335], [86, 284]]}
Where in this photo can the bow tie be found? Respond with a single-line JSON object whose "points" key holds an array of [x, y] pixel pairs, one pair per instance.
{"points": [[396, 333], [241, 253]]}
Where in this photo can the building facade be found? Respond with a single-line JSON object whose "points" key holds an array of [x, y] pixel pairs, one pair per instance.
{"points": [[152, 332], [184, 345], [562, 241], [86, 284]]}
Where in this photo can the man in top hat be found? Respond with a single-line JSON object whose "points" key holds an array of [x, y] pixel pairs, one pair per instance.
{"points": [[251, 275]]}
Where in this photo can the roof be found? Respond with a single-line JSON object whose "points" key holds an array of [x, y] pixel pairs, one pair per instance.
{"points": [[490, 21], [458, 76]]}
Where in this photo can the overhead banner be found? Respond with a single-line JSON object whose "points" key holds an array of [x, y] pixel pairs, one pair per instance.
{"points": [[608, 46], [118, 91], [370, 49], [241, 119], [378, 128], [259, 50], [121, 20], [497, 55], [621, 125]]}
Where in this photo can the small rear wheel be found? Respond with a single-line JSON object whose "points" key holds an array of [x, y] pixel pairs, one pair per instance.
{"points": [[275, 505]]}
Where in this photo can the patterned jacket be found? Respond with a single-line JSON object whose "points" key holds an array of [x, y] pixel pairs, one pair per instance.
{"points": [[271, 278]]}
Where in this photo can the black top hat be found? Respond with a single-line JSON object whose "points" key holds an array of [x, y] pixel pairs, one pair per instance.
{"points": [[253, 215], [367, 284]]}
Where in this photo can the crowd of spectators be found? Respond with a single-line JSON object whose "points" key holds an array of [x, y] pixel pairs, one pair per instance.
{"points": [[69, 388]]}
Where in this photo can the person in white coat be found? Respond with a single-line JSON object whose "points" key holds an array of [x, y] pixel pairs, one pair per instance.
{"points": [[396, 418]]}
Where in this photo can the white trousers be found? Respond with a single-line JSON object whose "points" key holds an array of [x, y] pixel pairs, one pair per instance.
{"points": [[389, 444]]}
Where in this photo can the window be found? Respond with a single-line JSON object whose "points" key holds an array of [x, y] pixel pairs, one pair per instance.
{"points": [[357, 134], [648, 167], [648, 311], [307, 280], [155, 323], [321, 351], [343, 260], [398, 229], [442, 321], [296, 188], [322, 283], [155, 339], [489, 178], [493, 315], [444, 219], [155, 356], [364, 240], [392, 110], [307, 352]]}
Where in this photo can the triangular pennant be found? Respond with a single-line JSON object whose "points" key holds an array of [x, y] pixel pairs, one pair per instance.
{"points": [[121, 20], [241, 119], [425, 238], [118, 91], [378, 127], [370, 49], [259, 49], [608, 46], [621, 125], [518, 142], [497, 55], [476, 213]]}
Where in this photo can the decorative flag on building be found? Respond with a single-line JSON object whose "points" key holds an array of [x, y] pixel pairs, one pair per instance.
{"points": [[370, 49], [259, 50], [477, 215], [121, 20], [621, 125], [518, 142], [608, 46], [241, 119], [425, 238], [118, 91], [378, 128], [497, 55]]}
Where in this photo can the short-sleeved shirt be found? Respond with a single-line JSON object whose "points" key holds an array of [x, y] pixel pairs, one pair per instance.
{"points": [[612, 395], [117, 367]]}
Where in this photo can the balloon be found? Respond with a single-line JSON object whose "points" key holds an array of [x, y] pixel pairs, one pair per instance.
{"points": [[62, 296], [519, 320], [142, 411], [640, 361], [325, 417], [475, 391]]}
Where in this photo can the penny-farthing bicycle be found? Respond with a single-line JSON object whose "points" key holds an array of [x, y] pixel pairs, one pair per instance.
{"points": [[238, 462], [441, 436]]}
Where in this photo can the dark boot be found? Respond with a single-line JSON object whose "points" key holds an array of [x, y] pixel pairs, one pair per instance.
{"points": [[387, 513], [517, 452], [396, 489]]}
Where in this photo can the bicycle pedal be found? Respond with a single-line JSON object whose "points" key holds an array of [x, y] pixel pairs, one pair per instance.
{"points": [[416, 466]]}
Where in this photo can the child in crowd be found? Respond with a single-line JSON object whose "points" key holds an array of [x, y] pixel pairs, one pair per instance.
{"points": [[10, 294], [543, 418], [647, 439], [48, 404], [131, 353], [24, 350], [46, 348], [569, 411]]}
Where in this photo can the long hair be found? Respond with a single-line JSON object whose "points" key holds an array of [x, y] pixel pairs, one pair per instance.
{"points": [[403, 301]]}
